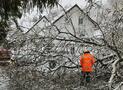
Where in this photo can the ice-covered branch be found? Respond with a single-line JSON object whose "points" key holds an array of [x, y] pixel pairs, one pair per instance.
{"points": [[117, 88], [114, 66]]}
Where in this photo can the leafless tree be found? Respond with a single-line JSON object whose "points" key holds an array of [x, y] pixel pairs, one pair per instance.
{"points": [[47, 59]]}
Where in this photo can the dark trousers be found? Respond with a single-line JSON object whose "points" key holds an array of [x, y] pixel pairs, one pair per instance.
{"points": [[85, 77]]}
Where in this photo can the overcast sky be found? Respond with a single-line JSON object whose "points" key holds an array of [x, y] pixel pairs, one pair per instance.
{"points": [[73, 2]]}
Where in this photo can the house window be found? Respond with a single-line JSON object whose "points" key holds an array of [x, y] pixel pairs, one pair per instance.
{"points": [[80, 20], [82, 33]]}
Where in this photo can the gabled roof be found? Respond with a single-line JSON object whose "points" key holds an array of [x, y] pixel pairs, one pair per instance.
{"points": [[44, 17], [91, 20], [56, 19], [68, 12], [95, 24]]}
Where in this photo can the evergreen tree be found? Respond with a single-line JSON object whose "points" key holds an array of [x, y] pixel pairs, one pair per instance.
{"points": [[13, 9]]}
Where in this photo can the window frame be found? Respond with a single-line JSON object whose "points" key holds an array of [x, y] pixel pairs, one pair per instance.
{"points": [[80, 21]]}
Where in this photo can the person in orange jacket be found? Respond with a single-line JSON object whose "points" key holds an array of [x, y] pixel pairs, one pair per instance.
{"points": [[87, 61]]}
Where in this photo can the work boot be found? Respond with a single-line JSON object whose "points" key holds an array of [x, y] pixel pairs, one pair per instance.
{"points": [[88, 79]]}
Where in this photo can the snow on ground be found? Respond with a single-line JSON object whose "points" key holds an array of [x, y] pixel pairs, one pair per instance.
{"points": [[4, 80]]}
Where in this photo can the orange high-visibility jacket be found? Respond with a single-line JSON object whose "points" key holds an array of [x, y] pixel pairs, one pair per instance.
{"points": [[86, 61]]}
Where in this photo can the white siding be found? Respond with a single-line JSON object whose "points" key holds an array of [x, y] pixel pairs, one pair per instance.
{"points": [[75, 14]]}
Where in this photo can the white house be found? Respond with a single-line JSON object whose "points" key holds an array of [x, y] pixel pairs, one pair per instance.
{"points": [[76, 22], [73, 21]]}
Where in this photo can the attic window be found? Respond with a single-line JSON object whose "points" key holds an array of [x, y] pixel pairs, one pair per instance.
{"points": [[82, 33], [80, 20]]}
